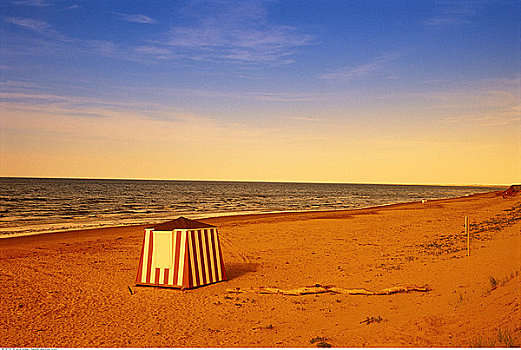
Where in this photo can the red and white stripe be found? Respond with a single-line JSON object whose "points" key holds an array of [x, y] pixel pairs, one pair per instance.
{"points": [[181, 258]]}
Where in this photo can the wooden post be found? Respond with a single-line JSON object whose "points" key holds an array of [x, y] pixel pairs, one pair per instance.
{"points": [[467, 231]]}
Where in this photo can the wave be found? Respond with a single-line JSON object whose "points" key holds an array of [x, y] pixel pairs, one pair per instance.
{"points": [[65, 203]]}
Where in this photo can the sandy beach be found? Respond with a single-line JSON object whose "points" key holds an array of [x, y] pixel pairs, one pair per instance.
{"points": [[76, 289]]}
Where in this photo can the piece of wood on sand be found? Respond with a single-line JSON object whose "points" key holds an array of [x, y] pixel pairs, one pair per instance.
{"points": [[318, 289]]}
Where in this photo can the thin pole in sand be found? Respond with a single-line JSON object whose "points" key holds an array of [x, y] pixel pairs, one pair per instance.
{"points": [[467, 231]]}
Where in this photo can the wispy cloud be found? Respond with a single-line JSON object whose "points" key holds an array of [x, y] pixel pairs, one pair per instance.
{"points": [[220, 32], [36, 3], [159, 53], [38, 26], [252, 95], [278, 97], [36, 98], [493, 102], [43, 3], [503, 118], [455, 13], [72, 7], [305, 119], [136, 18], [446, 21], [350, 73], [376, 66], [492, 115], [101, 46], [29, 23], [87, 116], [27, 94], [233, 32], [15, 84], [214, 43], [61, 43]]}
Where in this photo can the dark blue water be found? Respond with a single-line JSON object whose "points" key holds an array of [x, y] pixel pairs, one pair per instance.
{"points": [[42, 205]]}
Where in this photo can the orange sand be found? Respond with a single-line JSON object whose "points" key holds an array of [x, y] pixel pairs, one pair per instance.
{"points": [[71, 289]]}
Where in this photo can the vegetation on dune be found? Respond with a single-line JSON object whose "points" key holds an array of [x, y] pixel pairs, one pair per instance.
{"points": [[480, 231], [502, 339]]}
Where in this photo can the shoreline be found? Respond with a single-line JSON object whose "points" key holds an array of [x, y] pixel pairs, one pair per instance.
{"points": [[239, 215]]}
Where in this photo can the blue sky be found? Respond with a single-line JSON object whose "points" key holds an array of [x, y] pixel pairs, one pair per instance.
{"points": [[340, 91]]}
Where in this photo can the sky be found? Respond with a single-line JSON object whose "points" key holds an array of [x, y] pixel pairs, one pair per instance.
{"points": [[409, 92]]}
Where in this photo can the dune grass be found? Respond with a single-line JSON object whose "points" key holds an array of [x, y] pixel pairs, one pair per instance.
{"points": [[503, 339]]}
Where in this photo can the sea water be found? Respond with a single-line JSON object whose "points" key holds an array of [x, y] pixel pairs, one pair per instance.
{"points": [[34, 205]]}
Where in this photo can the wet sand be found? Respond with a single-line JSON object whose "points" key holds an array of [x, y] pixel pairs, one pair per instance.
{"points": [[71, 289]]}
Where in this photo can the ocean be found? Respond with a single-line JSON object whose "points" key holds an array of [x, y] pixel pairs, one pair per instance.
{"points": [[34, 205]]}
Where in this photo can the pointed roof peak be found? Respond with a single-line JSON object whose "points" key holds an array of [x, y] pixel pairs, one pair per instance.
{"points": [[180, 223]]}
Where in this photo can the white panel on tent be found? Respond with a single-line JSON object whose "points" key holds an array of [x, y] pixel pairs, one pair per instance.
{"points": [[162, 256]]}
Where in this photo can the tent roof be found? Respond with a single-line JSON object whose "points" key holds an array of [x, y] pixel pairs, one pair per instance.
{"points": [[180, 223]]}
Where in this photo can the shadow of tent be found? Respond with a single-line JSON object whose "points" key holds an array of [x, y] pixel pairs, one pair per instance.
{"points": [[234, 270]]}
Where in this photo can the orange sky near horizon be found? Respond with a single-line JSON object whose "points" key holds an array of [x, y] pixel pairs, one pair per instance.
{"points": [[45, 142]]}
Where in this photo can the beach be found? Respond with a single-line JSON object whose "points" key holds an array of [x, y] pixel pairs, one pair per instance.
{"points": [[76, 288]]}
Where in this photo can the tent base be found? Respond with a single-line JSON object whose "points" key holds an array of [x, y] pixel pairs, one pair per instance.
{"points": [[173, 287], [158, 285]]}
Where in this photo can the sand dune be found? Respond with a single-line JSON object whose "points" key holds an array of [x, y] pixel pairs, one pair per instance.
{"points": [[72, 289]]}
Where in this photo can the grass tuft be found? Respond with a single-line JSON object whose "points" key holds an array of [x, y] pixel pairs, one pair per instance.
{"points": [[372, 319], [320, 342], [506, 338], [323, 344], [317, 339], [483, 343], [493, 282]]}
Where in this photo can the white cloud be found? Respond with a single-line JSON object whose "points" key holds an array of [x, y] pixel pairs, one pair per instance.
{"points": [[156, 52], [350, 73], [505, 118], [253, 95], [29, 23], [217, 31], [278, 97], [376, 66], [228, 31], [486, 103], [36, 3], [72, 7], [446, 21], [136, 18], [101, 46], [455, 13], [38, 26], [305, 119]]}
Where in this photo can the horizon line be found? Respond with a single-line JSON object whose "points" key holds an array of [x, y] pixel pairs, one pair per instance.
{"points": [[259, 181]]}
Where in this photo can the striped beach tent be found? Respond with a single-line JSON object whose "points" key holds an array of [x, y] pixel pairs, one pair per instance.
{"points": [[180, 253]]}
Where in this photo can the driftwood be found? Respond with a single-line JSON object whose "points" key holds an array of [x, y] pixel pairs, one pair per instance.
{"points": [[318, 289]]}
